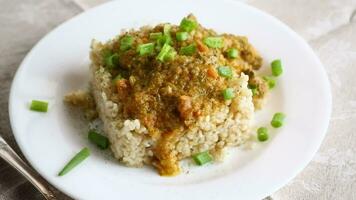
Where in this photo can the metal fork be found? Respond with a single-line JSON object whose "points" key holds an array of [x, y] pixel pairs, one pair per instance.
{"points": [[9, 155]]}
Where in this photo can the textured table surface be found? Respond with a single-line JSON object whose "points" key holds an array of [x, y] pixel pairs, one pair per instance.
{"points": [[328, 25]]}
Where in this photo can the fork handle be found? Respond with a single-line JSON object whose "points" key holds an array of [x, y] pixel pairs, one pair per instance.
{"points": [[9, 155]]}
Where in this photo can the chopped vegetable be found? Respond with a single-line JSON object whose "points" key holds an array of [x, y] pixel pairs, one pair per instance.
{"points": [[202, 158], [145, 49], [155, 36], [188, 50], [262, 134], [225, 71], [181, 36], [164, 39], [278, 119], [76, 160], [164, 51], [188, 25], [270, 81], [126, 43], [214, 42], [276, 66], [228, 93], [118, 77], [253, 89], [101, 141], [167, 29], [232, 53], [39, 106], [170, 55], [112, 60]]}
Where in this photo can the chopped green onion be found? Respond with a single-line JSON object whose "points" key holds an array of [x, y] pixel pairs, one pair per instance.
{"points": [[155, 36], [228, 93], [164, 39], [278, 119], [101, 141], [112, 60], [270, 81], [253, 89], [262, 134], [214, 42], [276, 66], [77, 159], [170, 55], [181, 36], [202, 158], [147, 48], [126, 43], [164, 51], [118, 77], [188, 25], [225, 71], [188, 50], [167, 29], [39, 106], [232, 53]]}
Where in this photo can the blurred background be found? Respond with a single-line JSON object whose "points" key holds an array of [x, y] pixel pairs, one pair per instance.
{"points": [[329, 26]]}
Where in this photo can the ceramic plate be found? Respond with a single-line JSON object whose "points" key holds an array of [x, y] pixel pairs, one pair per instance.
{"points": [[59, 64]]}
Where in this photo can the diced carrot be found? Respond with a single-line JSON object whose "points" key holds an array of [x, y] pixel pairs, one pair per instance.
{"points": [[201, 47], [212, 73]]}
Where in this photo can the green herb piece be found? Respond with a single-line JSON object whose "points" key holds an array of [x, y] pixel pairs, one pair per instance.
{"points": [[188, 50], [39, 106], [188, 25], [76, 160], [278, 119], [164, 51], [271, 82], [146, 49], [101, 141], [228, 93], [276, 67], [181, 36], [214, 42], [262, 134], [232, 53], [155, 36], [225, 71], [126, 43], [202, 158]]}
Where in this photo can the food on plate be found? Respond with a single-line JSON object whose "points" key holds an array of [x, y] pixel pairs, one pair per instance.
{"points": [[171, 92], [76, 160], [278, 119], [39, 106]]}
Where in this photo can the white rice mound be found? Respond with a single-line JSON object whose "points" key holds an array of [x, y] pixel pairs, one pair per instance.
{"points": [[130, 141]]}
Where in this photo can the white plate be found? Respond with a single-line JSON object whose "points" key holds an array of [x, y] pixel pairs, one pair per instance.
{"points": [[59, 63]]}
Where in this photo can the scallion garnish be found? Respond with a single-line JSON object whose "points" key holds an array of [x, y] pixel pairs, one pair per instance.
{"points": [[278, 119], [188, 25], [188, 50], [155, 36], [76, 160], [276, 67], [202, 158], [228, 93], [101, 141], [214, 42], [112, 60], [144, 49], [225, 71], [262, 134], [126, 43], [181, 36], [39, 106], [164, 51], [271, 82], [232, 53]]}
